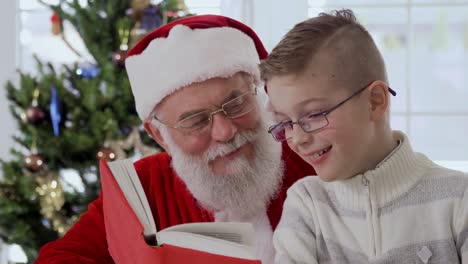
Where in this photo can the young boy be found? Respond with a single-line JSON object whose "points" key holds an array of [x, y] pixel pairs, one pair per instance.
{"points": [[375, 200]]}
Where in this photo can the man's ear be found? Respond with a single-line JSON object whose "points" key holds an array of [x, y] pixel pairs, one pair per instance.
{"points": [[379, 100], [155, 133]]}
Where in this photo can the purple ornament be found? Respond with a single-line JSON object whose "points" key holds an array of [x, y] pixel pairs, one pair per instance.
{"points": [[152, 18]]}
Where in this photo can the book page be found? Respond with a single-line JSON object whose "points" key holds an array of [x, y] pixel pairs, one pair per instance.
{"points": [[207, 244], [223, 238], [126, 176], [241, 233]]}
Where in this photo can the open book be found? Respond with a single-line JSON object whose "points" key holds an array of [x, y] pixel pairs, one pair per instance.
{"points": [[133, 237]]}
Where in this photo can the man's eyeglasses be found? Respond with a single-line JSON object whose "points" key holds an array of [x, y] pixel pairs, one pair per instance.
{"points": [[234, 108], [311, 122]]}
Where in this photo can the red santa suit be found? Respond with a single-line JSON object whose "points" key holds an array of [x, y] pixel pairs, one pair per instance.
{"points": [[155, 72], [171, 204]]}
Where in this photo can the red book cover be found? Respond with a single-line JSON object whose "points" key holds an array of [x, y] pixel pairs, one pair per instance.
{"points": [[125, 239]]}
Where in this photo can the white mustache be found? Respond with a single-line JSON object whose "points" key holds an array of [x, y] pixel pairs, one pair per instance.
{"points": [[223, 149]]}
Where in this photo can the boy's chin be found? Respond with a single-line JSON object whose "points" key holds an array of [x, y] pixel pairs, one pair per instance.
{"points": [[328, 176], [332, 176]]}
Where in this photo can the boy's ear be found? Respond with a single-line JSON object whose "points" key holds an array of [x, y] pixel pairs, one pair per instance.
{"points": [[379, 100], [155, 133]]}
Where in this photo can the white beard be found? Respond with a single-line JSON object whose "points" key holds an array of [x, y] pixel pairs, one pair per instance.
{"points": [[247, 186]]}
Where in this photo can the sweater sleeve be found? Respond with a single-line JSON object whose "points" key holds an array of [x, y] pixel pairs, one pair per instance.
{"points": [[84, 243], [295, 237], [462, 228]]}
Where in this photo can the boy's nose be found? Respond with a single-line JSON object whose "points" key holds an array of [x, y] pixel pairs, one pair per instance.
{"points": [[299, 136], [223, 128]]}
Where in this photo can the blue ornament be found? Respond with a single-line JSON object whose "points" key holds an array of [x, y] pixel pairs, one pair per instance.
{"points": [[87, 70], [45, 222], [125, 130], [55, 111]]}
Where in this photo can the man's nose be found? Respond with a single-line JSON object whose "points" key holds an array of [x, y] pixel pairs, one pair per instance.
{"points": [[223, 128]]}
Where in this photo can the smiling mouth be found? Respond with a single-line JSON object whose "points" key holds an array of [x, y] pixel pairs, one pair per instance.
{"points": [[320, 153], [232, 154], [229, 155]]}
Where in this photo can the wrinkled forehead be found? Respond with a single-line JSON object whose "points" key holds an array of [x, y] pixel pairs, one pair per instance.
{"points": [[204, 95]]}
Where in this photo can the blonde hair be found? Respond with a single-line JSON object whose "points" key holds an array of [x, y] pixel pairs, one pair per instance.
{"points": [[347, 44]]}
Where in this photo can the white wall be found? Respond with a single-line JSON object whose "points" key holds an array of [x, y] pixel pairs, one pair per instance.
{"points": [[3, 253], [8, 29], [273, 18], [270, 19]]}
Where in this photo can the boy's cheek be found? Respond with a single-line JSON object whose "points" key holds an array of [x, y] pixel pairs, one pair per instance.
{"points": [[328, 132], [293, 147]]}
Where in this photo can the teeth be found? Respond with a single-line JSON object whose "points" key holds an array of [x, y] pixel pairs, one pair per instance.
{"points": [[320, 153]]}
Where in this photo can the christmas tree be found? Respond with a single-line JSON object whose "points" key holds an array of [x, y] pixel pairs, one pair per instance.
{"points": [[71, 116]]}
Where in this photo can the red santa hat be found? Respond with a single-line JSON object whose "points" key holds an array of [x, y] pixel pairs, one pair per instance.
{"points": [[190, 50]]}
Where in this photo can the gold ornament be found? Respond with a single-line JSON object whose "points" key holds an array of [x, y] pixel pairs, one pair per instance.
{"points": [[181, 6], [137, 8], [133, 141], [51, 200], [56, 24], [136, 34]]}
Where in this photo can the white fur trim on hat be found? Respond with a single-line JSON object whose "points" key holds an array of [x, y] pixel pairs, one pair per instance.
{"points": [[187, 56]]}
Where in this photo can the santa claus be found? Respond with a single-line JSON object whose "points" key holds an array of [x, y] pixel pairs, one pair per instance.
{"points": [[195, 83]]}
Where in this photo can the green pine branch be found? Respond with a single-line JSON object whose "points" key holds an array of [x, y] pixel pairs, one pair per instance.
{"points": [[93, 110]]}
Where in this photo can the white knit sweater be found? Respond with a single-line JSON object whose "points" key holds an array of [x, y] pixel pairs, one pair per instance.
{"points": [[407, 210]]}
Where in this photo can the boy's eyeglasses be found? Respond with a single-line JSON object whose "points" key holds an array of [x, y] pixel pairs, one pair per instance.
{"points": [[234, 108], [311, 122]]}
